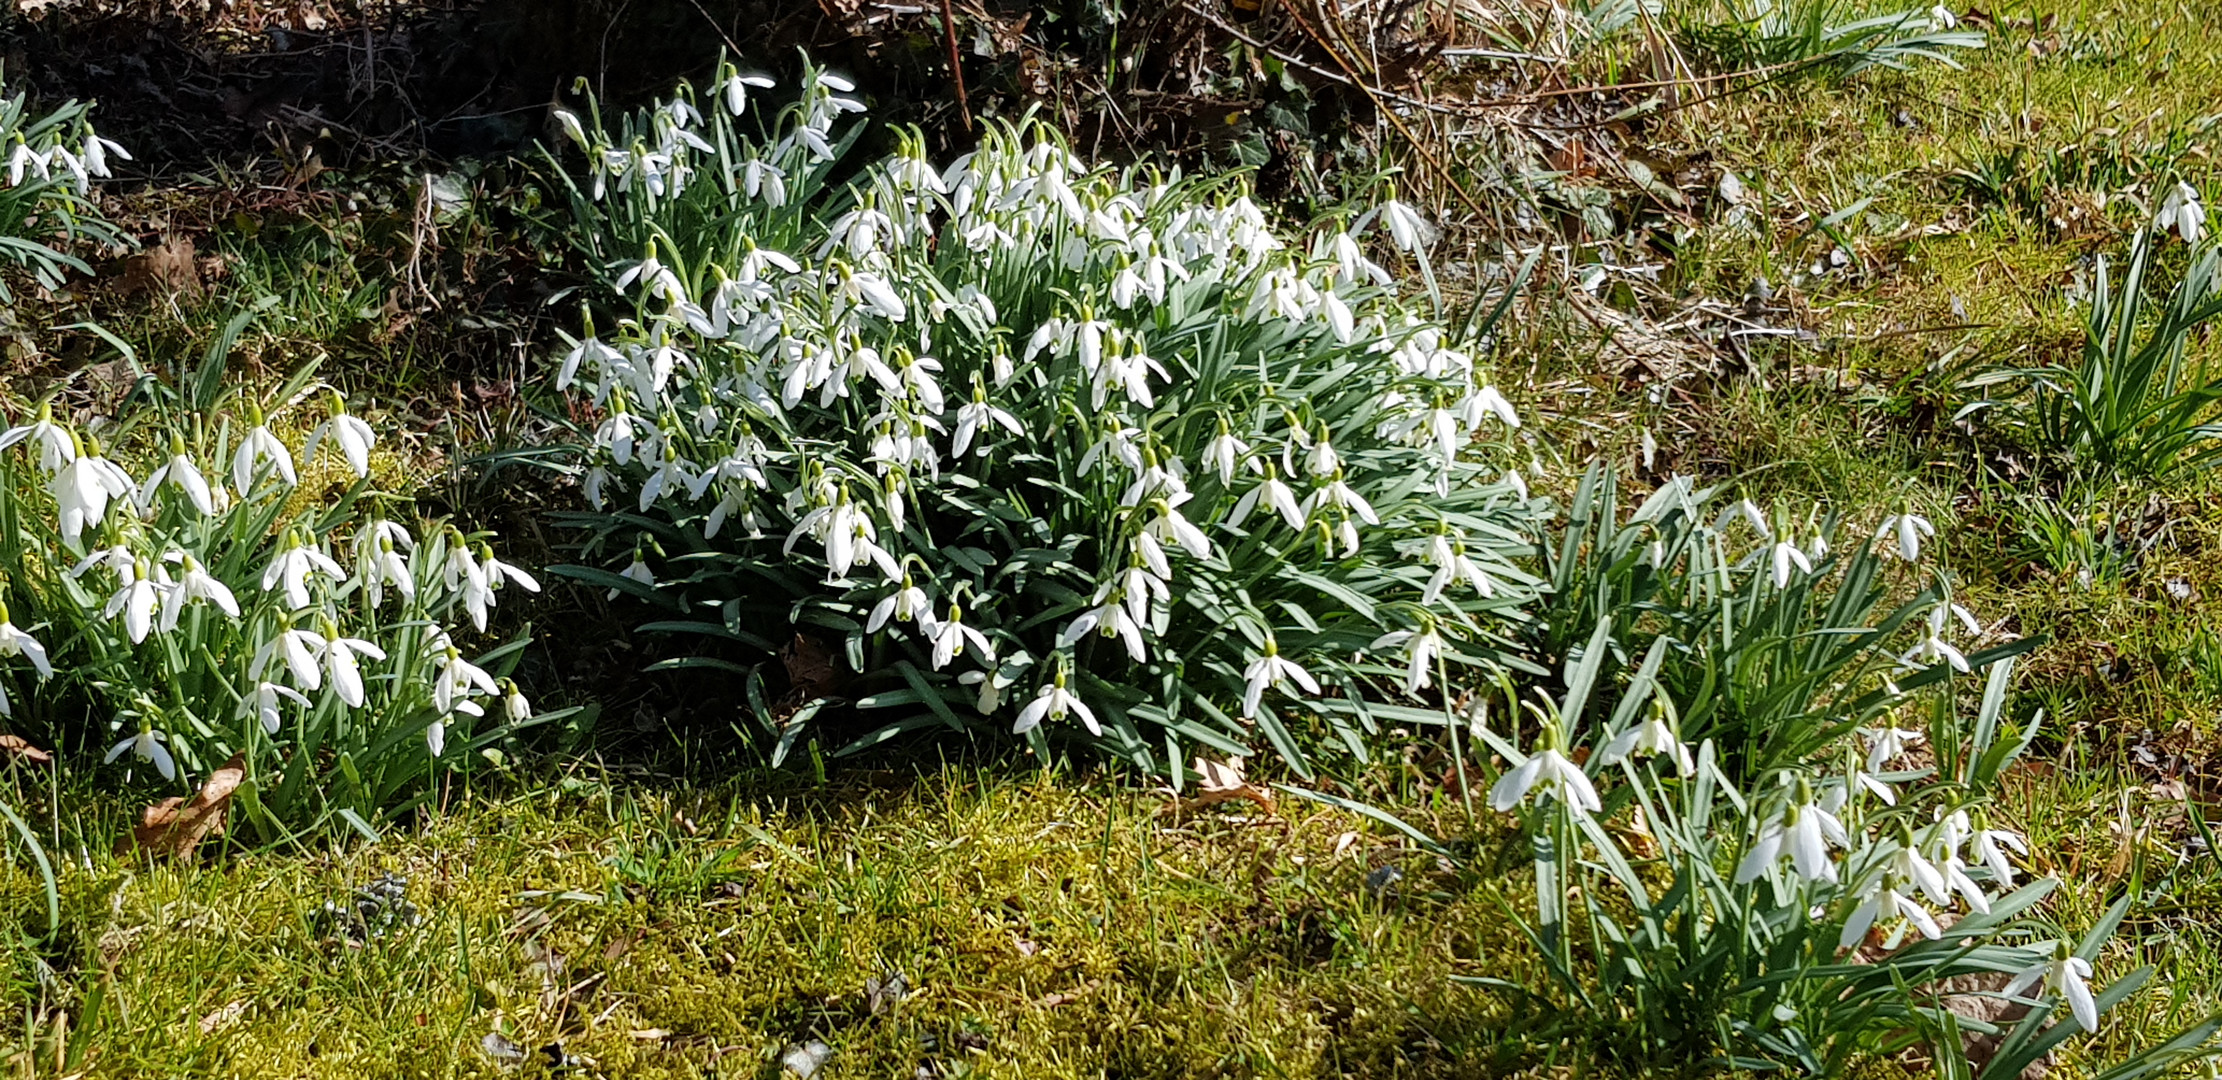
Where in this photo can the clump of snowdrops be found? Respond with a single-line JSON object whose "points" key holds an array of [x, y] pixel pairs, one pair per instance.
{"points": [[1760, 813], [1035, 446], [48, 162], [172, 584]]}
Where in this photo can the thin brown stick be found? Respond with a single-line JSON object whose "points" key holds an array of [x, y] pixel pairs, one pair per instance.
{"points": [[956, 65]]}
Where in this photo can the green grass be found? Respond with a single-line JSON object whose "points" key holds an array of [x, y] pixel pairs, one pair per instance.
{"points": [[1046, 926]]}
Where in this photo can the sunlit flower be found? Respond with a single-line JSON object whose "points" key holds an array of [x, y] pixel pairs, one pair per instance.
{"points": [[1268, 670], [1886, 901], [456, 680], [56, 446], [1933, 647], [1054, 703], [1886, 743], [2066, 976], [1907, 530], [354, 437], [342, 667], [262, 703], [2181, 212], [907, 604], [290, 569], [258, 446], [1421, 648], [1273, 494], [950, 637], [195, 584], [1990, 847], [1804, 831], [146, 746], [1554, 775], [82, 490], [1654, 736], [181, 473], [137, 600]]}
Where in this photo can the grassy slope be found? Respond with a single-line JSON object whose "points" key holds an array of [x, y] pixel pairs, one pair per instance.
{"points": [[1062, 928]]}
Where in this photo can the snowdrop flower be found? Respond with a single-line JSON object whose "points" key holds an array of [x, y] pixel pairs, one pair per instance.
{"points": [[1907, 529], [354, 437], [908, 604], [454, 683], [195, 584], [734, 90], [1274, 495], [514, 704], [290, 570], [950, 636], [181, 473], [1746, 511], [1941, 18], [1169, 526], [379, 562], [1420, 650], [82, 490], [257, 446], [136, 600], [1225, 452], [1784, 554], [14, 642], [1990, 847], [96, 151], [1342, 497], [1054, 703], [1448, 556], [1886, 743], [1886, 900], [1111, 617], [978, 417], [1907, 865], [572, 128], [1271, 670], [1487, 402], [1656, 735], [1804, 831], [2182, 213], [146, 746], [435, 736], [1407, 229], [24, 158], [2065, 976], [298, 650], [1554, 774], [481, 579], [1933, 647], [56, 447], [342, 667], [262, 703], [637, 570]]}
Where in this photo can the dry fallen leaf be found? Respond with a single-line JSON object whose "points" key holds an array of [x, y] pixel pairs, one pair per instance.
{"points": [[223, 1016], [175, 827], [1218, 782], [168, 269], [13, 747]]}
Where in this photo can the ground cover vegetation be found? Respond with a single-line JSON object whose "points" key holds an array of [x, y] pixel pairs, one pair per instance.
{"points": [[1461, 569]]}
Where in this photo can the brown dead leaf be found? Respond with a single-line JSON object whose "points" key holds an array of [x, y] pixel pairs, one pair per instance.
{"points": [[14, 748], [175, 827], [169, 269], [1067, 997], [223, 1017], [1218, 782]]}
